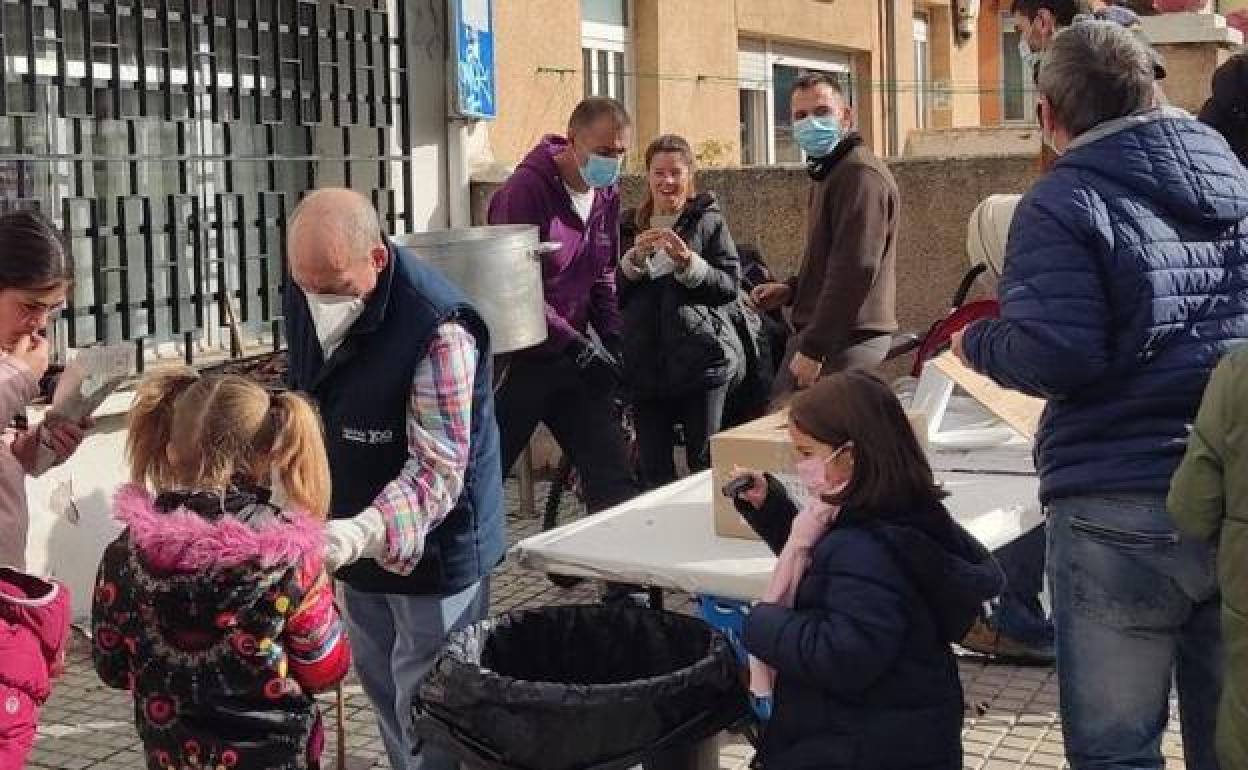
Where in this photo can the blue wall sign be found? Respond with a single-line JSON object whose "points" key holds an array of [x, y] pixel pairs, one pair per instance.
{"points": [[476, 91]]}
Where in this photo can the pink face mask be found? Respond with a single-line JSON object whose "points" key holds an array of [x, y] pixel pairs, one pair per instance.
{"points": [[813, 471], [810, 471]]}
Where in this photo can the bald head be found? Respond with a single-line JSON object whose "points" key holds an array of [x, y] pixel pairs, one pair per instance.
{"points": [[334, 224], [335, 244]]}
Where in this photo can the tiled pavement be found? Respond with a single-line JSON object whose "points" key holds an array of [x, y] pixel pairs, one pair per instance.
{"points": [[1014, 725]]}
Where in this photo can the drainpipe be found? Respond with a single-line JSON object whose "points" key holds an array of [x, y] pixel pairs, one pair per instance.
{"points": [[458, 173], [890, 52]]}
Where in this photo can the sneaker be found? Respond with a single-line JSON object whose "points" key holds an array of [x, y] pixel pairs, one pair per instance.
{"points": [[986, 640]]}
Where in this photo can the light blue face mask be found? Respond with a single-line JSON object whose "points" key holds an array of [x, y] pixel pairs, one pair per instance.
{"points": [[601, 171], [817, 135]]}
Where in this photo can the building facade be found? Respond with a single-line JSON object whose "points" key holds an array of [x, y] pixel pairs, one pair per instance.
{"points": [[170, 141], [720, 72]]}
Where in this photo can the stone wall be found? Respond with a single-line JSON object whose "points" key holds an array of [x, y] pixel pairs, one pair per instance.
{"points": [[766, 207]]}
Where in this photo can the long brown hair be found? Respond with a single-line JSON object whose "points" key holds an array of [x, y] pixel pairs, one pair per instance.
{"points": [[188, 432], [665, 143], [32, 254], [891, 471]]}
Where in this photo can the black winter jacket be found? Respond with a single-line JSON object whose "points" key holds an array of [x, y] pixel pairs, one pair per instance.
{"points": [[866, 679], [678, 339]]}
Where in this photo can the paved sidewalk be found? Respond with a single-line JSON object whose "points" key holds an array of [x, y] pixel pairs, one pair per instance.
{"points": [[86, 725]]}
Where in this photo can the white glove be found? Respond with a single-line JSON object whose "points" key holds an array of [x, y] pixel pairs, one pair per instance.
{"points": [[362, 536]]}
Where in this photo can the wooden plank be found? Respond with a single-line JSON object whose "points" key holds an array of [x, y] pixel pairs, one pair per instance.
{"points": [[1021, 412]]}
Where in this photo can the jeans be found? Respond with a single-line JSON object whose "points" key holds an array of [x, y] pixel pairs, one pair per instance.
{"points": [[700, 413], [1018, 612], [394, 641], [582, 419], [1136, 607]]}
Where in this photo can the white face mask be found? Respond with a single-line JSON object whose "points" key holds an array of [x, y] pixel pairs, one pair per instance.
{"points": [[333, 315]]}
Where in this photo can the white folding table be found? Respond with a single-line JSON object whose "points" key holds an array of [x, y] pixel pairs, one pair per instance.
{"points": [[665, 538]]}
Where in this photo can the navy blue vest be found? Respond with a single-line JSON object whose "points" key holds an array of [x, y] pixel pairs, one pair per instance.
{"points": [[363, 392]]}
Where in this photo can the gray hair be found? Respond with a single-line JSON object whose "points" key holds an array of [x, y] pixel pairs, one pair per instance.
{"points": [[1095, 72]]}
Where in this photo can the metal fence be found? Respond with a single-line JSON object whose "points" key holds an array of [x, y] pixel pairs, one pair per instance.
{"points": [[170, 139]]}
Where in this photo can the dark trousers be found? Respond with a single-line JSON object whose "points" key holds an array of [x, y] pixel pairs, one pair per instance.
{"points": [[1018, 612], [582, 419], [701, 413]]}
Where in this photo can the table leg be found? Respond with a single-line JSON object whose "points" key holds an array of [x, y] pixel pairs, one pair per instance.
{"points": [[524, 474]]}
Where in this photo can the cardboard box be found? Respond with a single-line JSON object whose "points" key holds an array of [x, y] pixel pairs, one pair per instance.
{"points": [[762, 445]]}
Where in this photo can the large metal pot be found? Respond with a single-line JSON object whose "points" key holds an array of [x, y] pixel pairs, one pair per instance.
{"points": [[500, 269]]}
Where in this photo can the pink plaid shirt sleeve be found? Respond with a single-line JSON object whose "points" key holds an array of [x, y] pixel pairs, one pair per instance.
{"points": [[439, 426]]}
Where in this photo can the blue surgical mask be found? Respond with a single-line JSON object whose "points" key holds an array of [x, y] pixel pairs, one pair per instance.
{"points": [[600, 171], [817, 135]]}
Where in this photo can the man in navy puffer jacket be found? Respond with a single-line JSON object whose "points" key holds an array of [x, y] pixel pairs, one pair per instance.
{"points": [[1126, 279]]}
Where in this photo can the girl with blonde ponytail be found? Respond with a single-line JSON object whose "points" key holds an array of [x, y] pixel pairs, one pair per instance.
{"points": [[213, 606]]}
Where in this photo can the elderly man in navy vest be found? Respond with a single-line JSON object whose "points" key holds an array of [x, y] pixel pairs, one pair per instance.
{"points": [[399, 364]]}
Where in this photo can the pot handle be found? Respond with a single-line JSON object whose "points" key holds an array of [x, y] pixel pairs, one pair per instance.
{"points": [[544, 248]]}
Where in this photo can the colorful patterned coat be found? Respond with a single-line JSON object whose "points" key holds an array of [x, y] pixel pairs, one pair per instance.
{"points": [[215, 612]]}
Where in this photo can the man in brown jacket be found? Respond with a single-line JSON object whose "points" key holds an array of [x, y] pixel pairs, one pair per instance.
{"points": [[843, 299]]}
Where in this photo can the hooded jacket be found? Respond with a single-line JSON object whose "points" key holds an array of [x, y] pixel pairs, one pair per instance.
{"points": [[34, 626], [866, 677], [1126, 279], [579, 278], [1209, 501], [217, 615]]}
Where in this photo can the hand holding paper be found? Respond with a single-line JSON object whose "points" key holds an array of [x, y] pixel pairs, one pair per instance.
{"points": [[88, 379]]}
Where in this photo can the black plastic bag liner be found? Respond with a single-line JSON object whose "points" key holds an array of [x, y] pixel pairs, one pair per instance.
{"points": [[580, 687]]}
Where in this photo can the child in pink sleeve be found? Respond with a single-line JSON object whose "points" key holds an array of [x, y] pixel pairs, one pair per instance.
{"points": [[34, 624]]}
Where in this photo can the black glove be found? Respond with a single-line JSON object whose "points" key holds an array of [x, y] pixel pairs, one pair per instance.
{"points": [[594, 365]]}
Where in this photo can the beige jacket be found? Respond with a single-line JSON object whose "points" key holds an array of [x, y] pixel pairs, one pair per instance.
{"points": [[17, 387]]}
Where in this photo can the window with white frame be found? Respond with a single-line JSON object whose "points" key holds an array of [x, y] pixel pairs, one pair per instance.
{"points": [[1018, 88], [766, 72], [922, 71], [605, 48]]}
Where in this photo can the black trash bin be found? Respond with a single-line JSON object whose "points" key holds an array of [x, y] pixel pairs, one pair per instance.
{"points": [[584, 687]]}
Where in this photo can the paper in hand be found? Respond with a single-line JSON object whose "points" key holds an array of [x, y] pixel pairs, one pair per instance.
{"points": [[89, 378], [660, 263]]}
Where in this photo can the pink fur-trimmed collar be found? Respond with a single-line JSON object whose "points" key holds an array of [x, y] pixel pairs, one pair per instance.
{"points": [[184, 541]]}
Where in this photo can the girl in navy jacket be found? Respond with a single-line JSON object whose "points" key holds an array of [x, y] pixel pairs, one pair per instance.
{"points": [[875, 580]]}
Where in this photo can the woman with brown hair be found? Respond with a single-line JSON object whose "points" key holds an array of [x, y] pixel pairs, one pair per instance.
{"points": [[679, 275], [851, 642], [34, 281]]}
